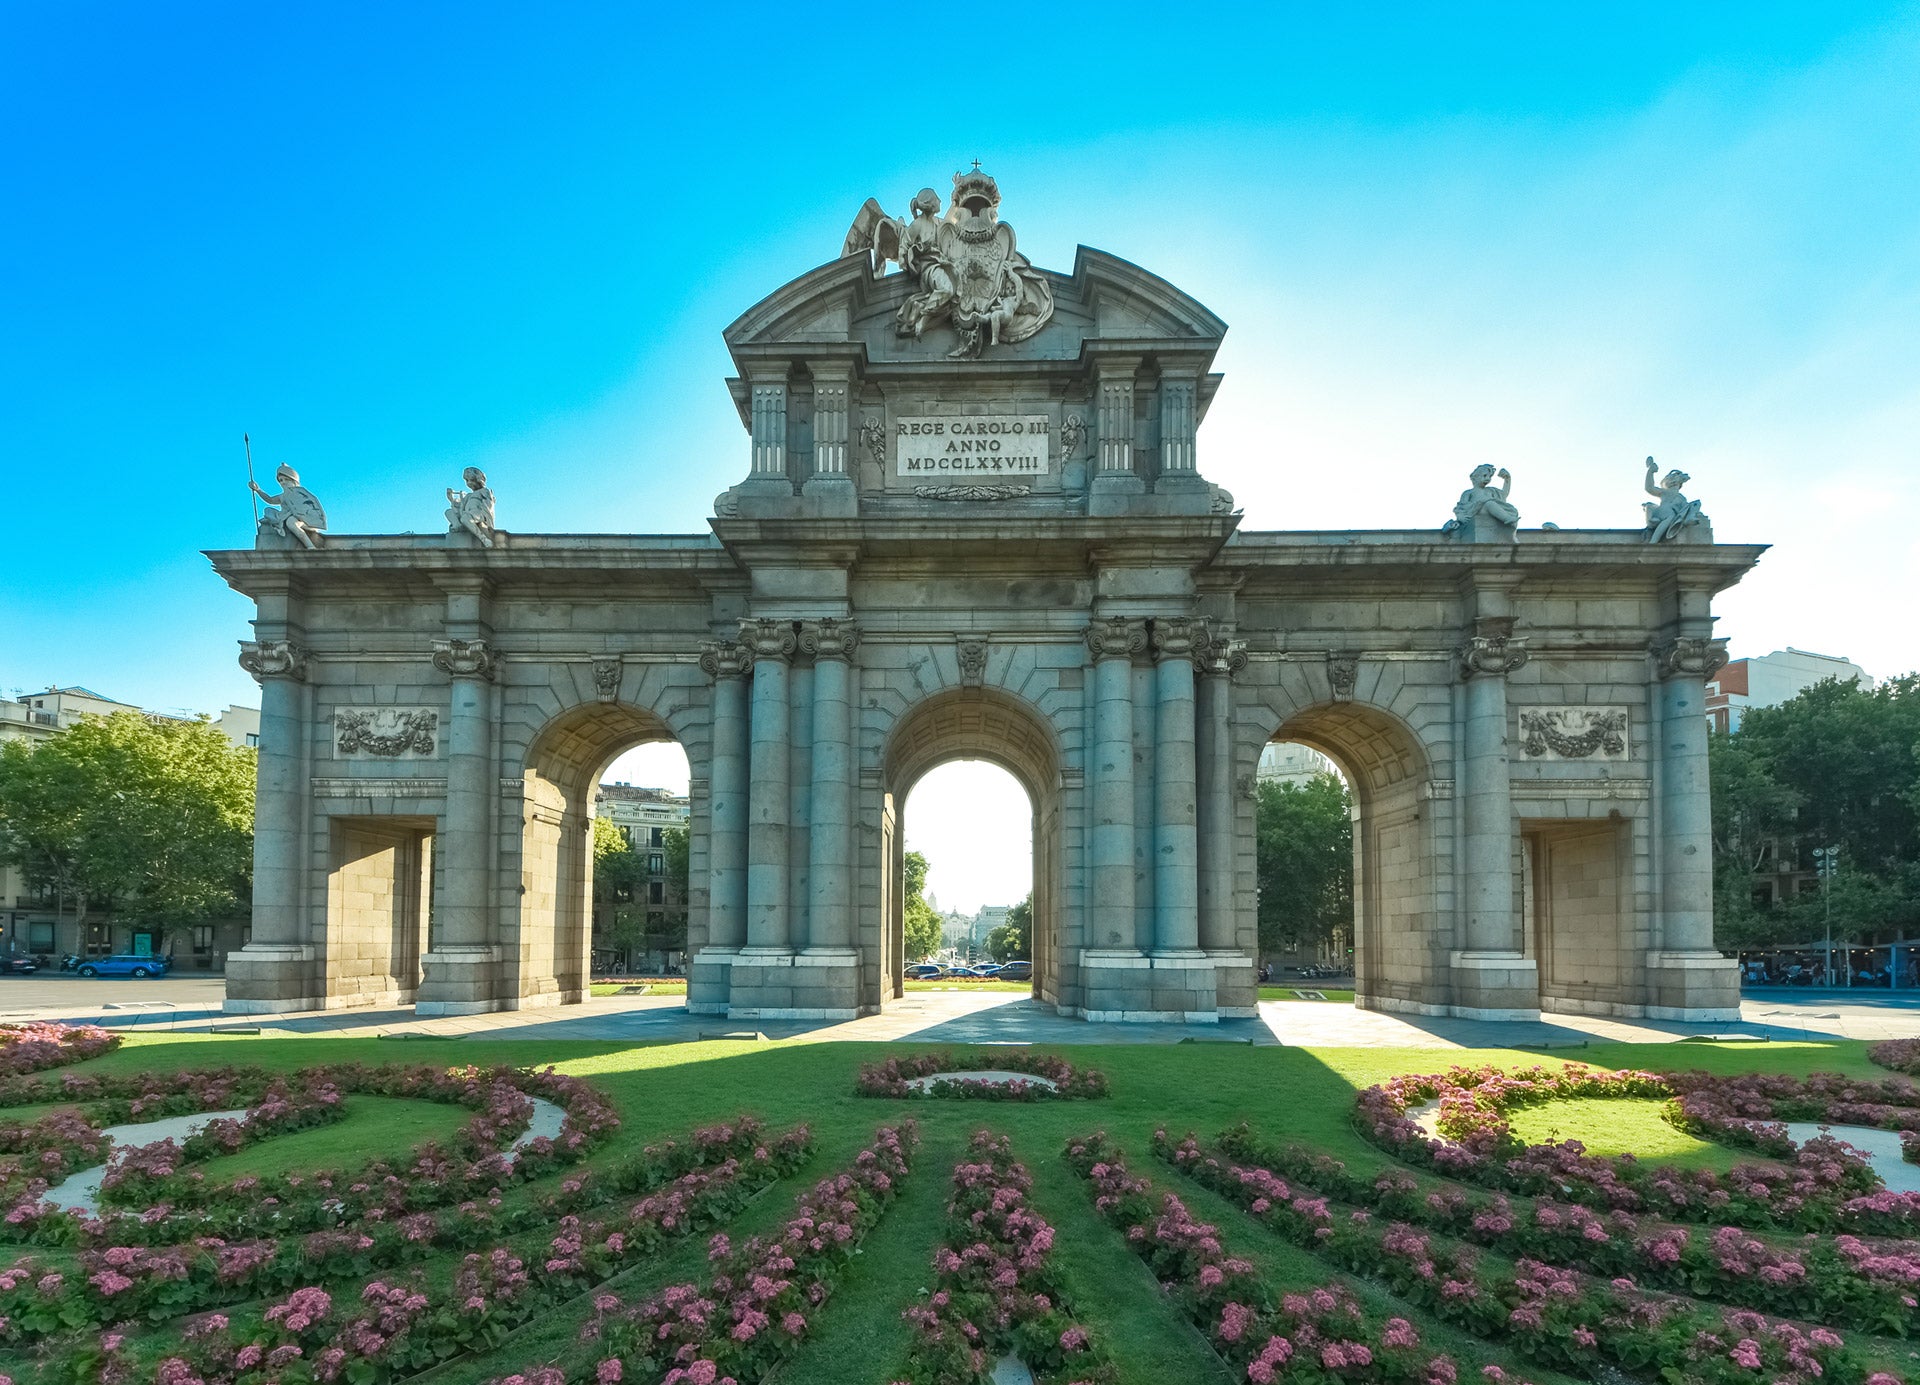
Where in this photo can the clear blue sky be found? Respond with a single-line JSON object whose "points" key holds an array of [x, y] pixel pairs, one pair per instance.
{"points": [[394, 240]]}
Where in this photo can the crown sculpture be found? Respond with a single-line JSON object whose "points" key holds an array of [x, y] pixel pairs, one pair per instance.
{"points": [[969, 272]]}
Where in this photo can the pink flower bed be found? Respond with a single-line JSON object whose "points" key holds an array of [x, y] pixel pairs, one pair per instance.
{"points": [[26, 1048], [1318, 1335], [1826, 1186], [1556, 1317], [994, 1291], [756, 1307], [891, 1078]]}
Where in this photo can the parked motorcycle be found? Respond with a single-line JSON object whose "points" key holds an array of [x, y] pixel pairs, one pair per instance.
{"points": [[70, 962]]}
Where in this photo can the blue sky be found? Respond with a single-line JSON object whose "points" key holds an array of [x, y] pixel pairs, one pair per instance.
{"points": [[391, 241]]}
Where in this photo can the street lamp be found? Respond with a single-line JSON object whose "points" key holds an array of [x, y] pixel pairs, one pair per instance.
{"points": [[1826, 860]]}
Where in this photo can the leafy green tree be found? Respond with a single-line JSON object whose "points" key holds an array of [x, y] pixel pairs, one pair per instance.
{"points": [[618, 871], [1836, 765], [922, 924], [1305, 863], [150, 816], [1014, 937]]}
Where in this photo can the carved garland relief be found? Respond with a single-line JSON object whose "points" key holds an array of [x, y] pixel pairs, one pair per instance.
{"points": [[1574, 733], [385, 733]]}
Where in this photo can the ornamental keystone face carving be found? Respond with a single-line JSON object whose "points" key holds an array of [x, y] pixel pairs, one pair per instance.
{"points": [[829, 638], [1343, 672], [266, 659], [972, 650], [725, 658], [465, 658], [967, 270], [1574, 733], [1114, 637], [387, 733], [1491, 649], [606, 679], [769, 639], [1173, 638], [1690, 657]]}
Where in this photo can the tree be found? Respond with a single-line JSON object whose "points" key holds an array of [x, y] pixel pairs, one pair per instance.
{"points": [[617, 869], [1305, 862], [1013, 938], [922, 924], [1836, 765], [150, 815]]}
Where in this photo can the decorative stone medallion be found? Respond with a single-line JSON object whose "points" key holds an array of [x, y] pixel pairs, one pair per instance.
{"points": [[1574, 733], [385, 733]]}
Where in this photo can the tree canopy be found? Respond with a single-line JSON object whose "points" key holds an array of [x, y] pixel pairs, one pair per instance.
{"points": [[1305, 862], [1837, 765], [1014, 938], [150, 816], [922, 924]]}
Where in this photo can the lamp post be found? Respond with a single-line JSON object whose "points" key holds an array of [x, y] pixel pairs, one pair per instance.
{"points": [[1826, 860]]}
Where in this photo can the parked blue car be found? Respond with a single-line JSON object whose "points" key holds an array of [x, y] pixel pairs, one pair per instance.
{"points": [[126, 965]]}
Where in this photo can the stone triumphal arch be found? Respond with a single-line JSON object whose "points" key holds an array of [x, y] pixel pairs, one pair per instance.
{"points": [[973, 524]]}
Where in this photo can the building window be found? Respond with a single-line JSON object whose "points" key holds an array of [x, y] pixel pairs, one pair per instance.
{"points": [[253, 739], [203, 940], [626, 835], [656, 892], [654, 838], [40, 936], [656, 863]]}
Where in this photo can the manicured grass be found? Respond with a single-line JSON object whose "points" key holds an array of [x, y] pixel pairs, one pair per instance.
{"points": [[374, 1127], [1619, 1126], [1306, 990], [666, 987], [664, 1089]]}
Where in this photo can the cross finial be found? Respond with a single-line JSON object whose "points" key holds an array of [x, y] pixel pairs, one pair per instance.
{"points": [[976, 165]]}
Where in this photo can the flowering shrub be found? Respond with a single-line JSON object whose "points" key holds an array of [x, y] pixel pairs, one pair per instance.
{"points": [[891, 1078], [26, 1048], [1321, 1335], [403, 1328], [755, 1309], [1747, 1109], [993, 1290], [698, 1178], [1827, 1185], [1553, 1315]]}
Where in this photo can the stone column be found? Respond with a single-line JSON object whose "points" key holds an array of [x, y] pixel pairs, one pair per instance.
{"points": [[1219, 658], [459, 967], [1688, 979], [274, 971], [709, 981], [1491, 979], [1176, 889], [1113, 969], [826, 975], [768, 921]]}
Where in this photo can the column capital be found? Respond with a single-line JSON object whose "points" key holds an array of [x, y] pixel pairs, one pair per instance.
{"points": [[829, 638], [1216, 652], [725, 658], [466, 658], [768, 638], [1177, 637], [266, 659], [1689, 657], [1491, 649], [1116, 637]]}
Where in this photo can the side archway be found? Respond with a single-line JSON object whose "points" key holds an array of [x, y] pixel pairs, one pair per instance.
{"points": [[973, 724]]}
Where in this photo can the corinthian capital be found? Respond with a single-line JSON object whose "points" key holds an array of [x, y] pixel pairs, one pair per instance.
{"points": [[1689, 657], [465, 658], [725, 658], [1491, 649], [1111, 637], [1215, 651], [829, 638], [768, 639], [1176, 637], [266, 659]]}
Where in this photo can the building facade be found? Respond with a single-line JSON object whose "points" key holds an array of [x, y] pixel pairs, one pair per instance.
{"points": [[973, 525], [644, 817], [1771, 679]]}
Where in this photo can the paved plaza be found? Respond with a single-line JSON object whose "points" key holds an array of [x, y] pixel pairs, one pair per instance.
{"points": [[193, 1004]]}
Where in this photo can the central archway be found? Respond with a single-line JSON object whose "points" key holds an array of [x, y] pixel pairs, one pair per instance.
{"points": [[973, 724]]}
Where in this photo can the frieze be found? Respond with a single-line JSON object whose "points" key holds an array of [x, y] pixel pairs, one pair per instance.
{"points": [[385, 733], [1574, 733], [378, 788]]}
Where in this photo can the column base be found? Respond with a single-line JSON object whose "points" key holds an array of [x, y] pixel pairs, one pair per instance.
{"points": [[459, 980], [273, 979], [774, 984], [1114, 493], [1696, 987], [1236, 984], [1130, 987], [710, 980], [1494, 986]]}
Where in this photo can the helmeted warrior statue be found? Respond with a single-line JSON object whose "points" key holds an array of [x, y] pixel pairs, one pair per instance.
{"points": [[967, 266], [1670, 514], [299, 516], [471, 510]]}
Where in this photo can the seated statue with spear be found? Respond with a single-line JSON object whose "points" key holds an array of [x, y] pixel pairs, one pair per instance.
{"points": [[299, 516]]}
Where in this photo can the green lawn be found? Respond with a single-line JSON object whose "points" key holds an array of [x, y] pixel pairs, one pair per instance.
{"points": [[1619, 1127], [664, 1089], [1305, 990]]}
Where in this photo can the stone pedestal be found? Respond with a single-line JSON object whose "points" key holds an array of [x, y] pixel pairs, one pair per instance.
{"points": [[1236, 984], [815, 985], [1494, 986], [710, 980], [459, 979], [1166, 988], [274, 979], [1698, 987]]}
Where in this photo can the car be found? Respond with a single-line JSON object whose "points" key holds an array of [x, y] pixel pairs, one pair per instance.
{"points": [[1016, 971], [987, 969], [126, 964], [961, 973], [924, 971], [19, 966]]}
